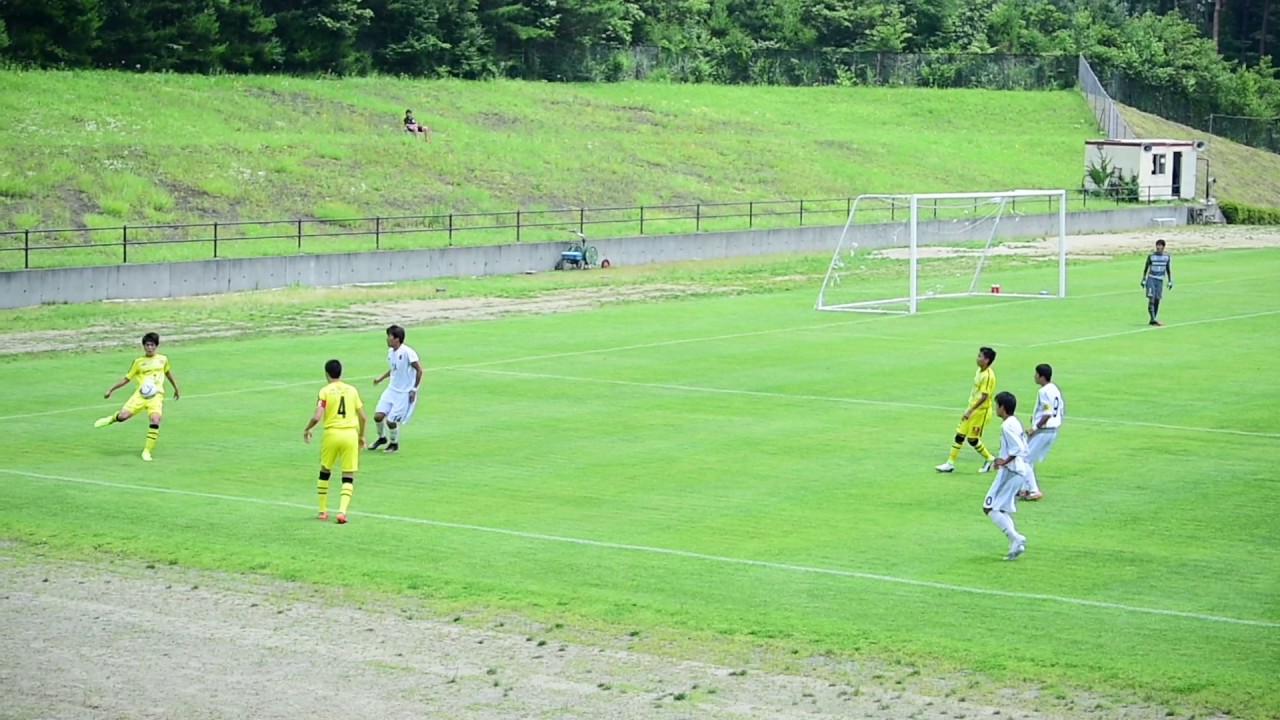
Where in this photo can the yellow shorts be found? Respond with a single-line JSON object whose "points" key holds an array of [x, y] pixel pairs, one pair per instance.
{"points": [[341, 445], [153, 405], [973, 427]]}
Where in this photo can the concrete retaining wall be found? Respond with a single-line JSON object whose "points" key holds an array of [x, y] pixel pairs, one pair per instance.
{"points": [[21, 288]]}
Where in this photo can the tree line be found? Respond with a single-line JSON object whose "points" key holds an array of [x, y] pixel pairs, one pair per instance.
{"points": [[1217, 55]]}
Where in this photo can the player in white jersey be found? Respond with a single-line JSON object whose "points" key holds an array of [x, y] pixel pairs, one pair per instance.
{"points": [[1013, 468], [398, 401], [1043, 431]]}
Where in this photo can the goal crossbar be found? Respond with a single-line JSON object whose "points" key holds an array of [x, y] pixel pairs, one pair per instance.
{"points": [[994, 195]]}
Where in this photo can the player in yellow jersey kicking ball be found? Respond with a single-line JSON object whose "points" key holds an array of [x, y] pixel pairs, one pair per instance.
{"points": [[339, 406], [149, 371], [976, 415]]}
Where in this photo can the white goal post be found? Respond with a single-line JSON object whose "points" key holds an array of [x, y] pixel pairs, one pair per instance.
{"points": [[896, 250]]}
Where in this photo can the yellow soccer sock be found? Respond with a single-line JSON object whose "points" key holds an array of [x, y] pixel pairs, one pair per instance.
{"points": [[345, 500], [322, 491], [153, 434], [982, 450], [955, 452]]}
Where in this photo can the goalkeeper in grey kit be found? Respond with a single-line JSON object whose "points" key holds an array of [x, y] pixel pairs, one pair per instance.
{"points": [[1155, 274]]}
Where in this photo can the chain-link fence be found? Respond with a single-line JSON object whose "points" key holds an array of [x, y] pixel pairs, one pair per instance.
{"points": [[1104, 108], [1259, 132], [1194, 110]]}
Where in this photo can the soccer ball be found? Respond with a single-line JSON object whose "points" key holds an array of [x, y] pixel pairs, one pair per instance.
{"points": [[147, 390]]}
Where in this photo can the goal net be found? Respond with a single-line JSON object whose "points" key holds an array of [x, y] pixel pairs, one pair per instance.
{"points": [[897, 250]]}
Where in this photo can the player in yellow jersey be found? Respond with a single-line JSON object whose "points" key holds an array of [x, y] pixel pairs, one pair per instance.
{"points": [[150, 370], [976, 415], [342, 412]]}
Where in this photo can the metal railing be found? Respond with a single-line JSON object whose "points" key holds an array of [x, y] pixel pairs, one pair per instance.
{"points": [[74, 247], [1104, 108]]}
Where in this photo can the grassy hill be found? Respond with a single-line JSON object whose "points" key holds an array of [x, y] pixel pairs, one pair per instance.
{"points": [[95, 149], [1244, 174]]}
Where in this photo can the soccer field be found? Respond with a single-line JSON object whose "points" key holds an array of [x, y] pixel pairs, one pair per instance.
{"points": [[742, 467]]}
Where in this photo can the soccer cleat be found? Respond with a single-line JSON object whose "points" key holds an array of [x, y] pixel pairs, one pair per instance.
{"points": [[322, 516], [945, 467], [146, 455], [342, 518], [393, 447], [1017, 547], [1022, 495], [1157, 323], [102, 422], [986, 466], [1032, 497], [378, 443]]}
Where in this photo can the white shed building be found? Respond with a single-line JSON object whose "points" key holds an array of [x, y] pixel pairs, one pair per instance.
{"points": [[1165, 169]]}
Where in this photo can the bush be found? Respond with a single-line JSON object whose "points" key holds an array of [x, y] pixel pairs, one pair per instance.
{"points": [[1110, 182], [1242, 214]]}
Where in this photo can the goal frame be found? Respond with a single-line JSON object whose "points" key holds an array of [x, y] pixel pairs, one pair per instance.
{"points": [[913, 201]]}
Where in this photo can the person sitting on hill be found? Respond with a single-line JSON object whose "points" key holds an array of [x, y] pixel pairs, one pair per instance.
{"points": [[411, 125]]}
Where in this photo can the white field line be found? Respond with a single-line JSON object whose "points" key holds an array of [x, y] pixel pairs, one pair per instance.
{"points": [[479, 368], [101, 407], [506, 361], [855, 319], [274, 384], [270, 385], [1147, 329], [1180, 428], [672, 552], [850, 401]]}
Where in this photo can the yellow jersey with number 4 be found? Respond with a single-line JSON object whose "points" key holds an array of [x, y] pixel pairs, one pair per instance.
{"points": [[340, 402]]}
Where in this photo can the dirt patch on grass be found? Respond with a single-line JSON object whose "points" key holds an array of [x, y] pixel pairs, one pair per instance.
{"points": [[425, 311], [143, 641], [643, 115], [1106, 245], [360, 316], [499, 122], [300, 104], [284, 317]]}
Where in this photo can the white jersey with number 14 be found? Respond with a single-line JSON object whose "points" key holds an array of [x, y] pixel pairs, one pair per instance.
{"points": [[400, 360]]}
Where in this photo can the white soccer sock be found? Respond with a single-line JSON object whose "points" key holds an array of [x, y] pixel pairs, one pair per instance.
{"points": [[382, 427], [395, 434], [1031, 485], [1004, 521]]}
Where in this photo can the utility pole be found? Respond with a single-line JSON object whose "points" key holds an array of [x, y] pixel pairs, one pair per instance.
{"points": [[1217, 25], [1262, 36]]}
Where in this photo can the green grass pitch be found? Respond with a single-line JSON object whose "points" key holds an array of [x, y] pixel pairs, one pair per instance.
{"points": [[739, 467]]}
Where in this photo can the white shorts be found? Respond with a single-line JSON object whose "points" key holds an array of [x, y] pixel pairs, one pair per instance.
{"points": [[1002, 496], [396, 406], [1038, 444]]}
